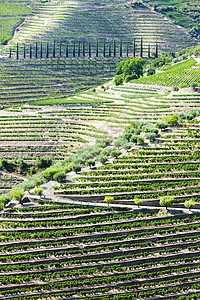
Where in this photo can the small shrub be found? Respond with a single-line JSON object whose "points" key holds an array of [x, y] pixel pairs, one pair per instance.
{"points": [[151, 71], [17, 194], [118, 80], [38, 191], [194, 85], [170, 119], [60, 176], [140, 140], [150, 136], [109, 199], [175, 88]]}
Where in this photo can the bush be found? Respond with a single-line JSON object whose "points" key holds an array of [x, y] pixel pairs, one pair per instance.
{"points": [[76, 168], [140, 140], [137, 201], [90, 162], [17, 194], [115, 153], [38, 191], [182, 85], [170, 119], [42, 162], [166, 201], [150, 136], [49, 173], [118, 80], [194, 85], [151, 71], [102, 158], [130, 77], [189, 203], [175, 88], [161, 125], [109, 199], [60, 176]]}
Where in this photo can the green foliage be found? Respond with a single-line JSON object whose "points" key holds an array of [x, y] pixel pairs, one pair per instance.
{"points": [[132, 67], [42, 162], [50, 172], [140, 140], [102, 158], [17, 194], [90, 162], [189, 203], [60, 176], [151, 71], [166, 201], [194, 85], [116, 153], [118, 80], [77, 168], [138, 201], [109, 199], [38, 191], [150, 136], [161, 125], [175, 88], [170, 119]]}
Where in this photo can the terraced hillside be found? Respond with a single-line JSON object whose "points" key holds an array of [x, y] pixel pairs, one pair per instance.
{"points": [[12, 14], [77, 252], [87, 20], [70, 46], [35, 131]]}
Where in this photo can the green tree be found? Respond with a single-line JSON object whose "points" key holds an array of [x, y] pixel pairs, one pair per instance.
{"points": [[30, 51], [89, 49], [114, 50], [156, 54], [102, 158], [90, 162], [50, 172], [161, 125], [134, 48], [59, 176], [127, 49], [79, 48], [166, 201], [132, 67], [36, 50], [17, 53], [60, 48], [66, 49], [54, 48], [97, 48], [137, 201], [120, 48], [189, 203], [17, 194], [24, 51], [118, 80], [38, 191], [47, 50], [141, 47], [83, 48], [104, 48], [41, 50], [109, 199], [149, 51], [170, 119], [76, 168]]}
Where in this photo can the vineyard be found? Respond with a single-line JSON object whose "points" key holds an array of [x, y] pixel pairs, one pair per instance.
{"points": [[99, 175]]}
